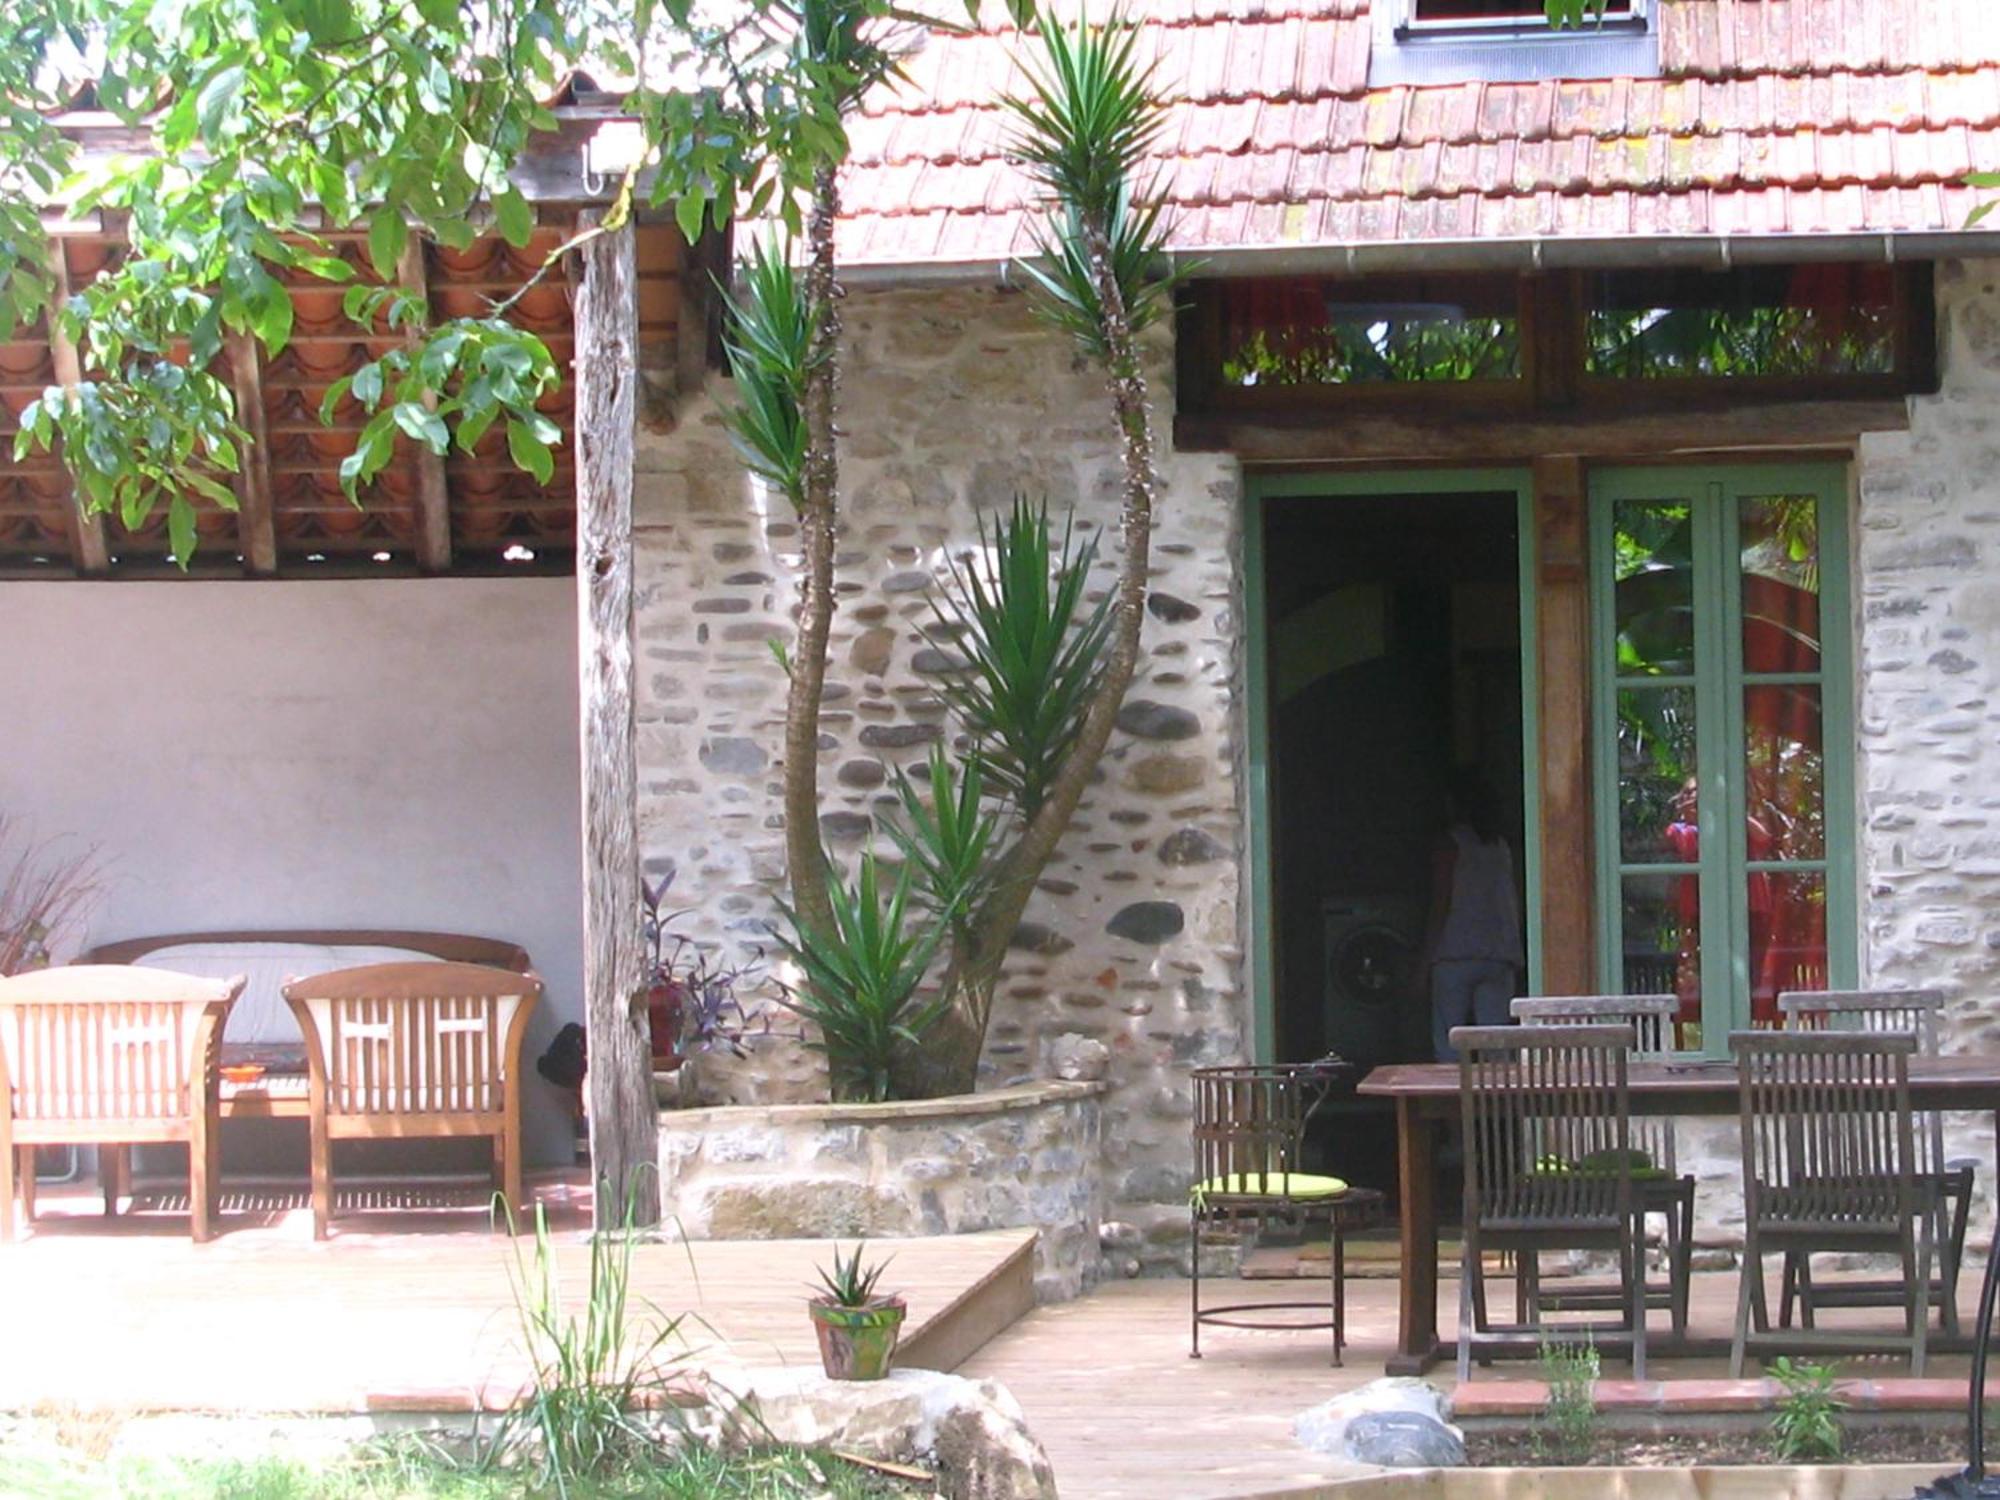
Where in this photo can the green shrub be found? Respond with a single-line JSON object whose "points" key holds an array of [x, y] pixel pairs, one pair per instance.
{"points": [[1806, 1427], [1567, 1430]]}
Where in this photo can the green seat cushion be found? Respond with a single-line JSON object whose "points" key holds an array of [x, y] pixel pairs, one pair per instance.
{"points": [[1601, 1164], [1299, 1185]]}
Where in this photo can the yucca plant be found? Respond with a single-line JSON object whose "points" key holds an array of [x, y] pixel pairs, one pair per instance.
{"points": [[945, 831], [860, 976], [1016, 609], [769, 334]]}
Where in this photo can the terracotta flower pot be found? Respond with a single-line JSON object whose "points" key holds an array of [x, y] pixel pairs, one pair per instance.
{"points": [[858, 1343]]}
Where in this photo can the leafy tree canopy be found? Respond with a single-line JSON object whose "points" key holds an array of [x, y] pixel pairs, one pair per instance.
{"points": [[268, 127]]}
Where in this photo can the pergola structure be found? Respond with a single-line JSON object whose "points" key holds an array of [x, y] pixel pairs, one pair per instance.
{"points": [[630, 318]]}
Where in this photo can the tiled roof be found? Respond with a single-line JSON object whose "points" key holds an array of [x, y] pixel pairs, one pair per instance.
{"points": [[1770, 116]]}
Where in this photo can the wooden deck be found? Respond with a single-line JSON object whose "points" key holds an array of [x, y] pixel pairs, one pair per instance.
{"points": [[410, 1311], [1108, 1387]]}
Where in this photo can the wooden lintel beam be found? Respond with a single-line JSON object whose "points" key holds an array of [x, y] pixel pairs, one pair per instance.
{"points": [[433, 487], [256, 519], [1562, 642], [1335, 437], [624, 1117], [90, 549]]}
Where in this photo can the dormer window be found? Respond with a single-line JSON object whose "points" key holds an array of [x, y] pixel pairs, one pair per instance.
{"points": [[1519, 12], [1451, 41]]}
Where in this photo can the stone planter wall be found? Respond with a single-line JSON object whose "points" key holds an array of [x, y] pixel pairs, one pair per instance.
{"points": [[1029, 1156]]}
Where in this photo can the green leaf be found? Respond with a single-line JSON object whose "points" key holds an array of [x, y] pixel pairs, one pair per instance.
{"points": [[529, 451], [689, 211], [514, 215], [387, 235], [217, 99], [181, 531]]}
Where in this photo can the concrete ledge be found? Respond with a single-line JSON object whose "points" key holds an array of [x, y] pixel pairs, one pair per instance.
{"points": [[1722, 1482]]}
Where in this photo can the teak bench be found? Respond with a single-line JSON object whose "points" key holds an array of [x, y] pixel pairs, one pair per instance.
{"points": [[110, 1055]]}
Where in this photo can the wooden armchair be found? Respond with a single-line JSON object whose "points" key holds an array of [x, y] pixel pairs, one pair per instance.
{"points": [[1662, 1187], [1829, 1164], [1548, 1166], [401, 1050], [110, 1056]]}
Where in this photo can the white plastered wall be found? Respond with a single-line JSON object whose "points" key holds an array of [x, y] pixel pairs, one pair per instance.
{"points": [[322, 753]]}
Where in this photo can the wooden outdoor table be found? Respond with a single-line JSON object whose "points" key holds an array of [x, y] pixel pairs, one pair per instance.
{"points": [[1427, 1093]]}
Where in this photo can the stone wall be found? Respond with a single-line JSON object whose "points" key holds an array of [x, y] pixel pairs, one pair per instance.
{"points": [[1005, 1159], [953, 401], [1927, 563]]}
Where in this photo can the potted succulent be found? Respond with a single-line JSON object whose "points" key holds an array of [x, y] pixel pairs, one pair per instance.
{"points": [[691, 999], [857, 1326]]}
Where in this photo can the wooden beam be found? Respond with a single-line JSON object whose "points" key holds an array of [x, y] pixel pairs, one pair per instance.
{"points": [[433, 490], [1562, 640], [90, 550], [1440, 437], [256, 520], [624, 1128]]}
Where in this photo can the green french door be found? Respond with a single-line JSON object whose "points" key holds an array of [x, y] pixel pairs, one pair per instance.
{"points": [[1724, 790]]}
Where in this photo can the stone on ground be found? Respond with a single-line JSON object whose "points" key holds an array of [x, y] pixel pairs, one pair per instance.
{"points": [[971, 1431], [1397, 1423]]}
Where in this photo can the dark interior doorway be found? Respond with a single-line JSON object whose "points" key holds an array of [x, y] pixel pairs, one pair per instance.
{"points": [[1393, 661]]}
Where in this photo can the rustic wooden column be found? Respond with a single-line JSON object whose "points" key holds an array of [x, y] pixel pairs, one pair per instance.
{"points": [[1562, 601], [624, 1135]]}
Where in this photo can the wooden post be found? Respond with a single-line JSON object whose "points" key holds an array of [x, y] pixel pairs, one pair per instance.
{"points": [[1562, 536], [624, 1122]]}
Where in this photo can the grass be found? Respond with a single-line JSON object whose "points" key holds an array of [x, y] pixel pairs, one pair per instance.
{"points": [[407, 1470]]}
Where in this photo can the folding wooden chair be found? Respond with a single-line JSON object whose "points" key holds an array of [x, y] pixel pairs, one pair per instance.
{"points": [[1917, 1012], [1829, 1164], [1548, 1166]]}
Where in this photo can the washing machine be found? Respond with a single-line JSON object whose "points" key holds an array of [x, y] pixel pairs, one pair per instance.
{"points": [[1375, 1012]]}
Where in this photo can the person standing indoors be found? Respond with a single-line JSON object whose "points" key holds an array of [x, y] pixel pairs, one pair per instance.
{"points": [[1473, 952]]}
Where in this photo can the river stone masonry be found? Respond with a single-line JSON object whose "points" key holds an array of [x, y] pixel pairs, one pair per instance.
{"points": [[1014, 1158], [953, 401]]}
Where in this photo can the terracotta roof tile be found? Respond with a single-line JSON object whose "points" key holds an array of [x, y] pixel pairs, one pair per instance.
{"points": [[1770, 116]]}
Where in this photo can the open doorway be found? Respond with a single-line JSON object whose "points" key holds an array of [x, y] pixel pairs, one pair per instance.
{"points": [[1392, 666]]}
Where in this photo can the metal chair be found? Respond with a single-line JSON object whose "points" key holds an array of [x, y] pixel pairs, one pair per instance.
{"points": [[1548, 1166], [1249, 1136], [1829, 1164], [1917, 1012], [1662, 1188]]}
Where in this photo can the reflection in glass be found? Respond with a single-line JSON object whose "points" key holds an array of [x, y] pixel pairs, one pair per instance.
{"points": [[1656, 769], [1822, 319], [1779, 536], [1653, 565], [1787, 938], [1288, 331], [1660, 943], [1784, 774]]}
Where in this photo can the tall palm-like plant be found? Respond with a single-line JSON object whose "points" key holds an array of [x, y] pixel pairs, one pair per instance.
{"points": [[1085, 126]]}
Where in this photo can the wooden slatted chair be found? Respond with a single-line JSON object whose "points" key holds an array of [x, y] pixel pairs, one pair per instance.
{"points": [[110, 1055], [1917, 1012], [1829, 1164], [1548, 1166], [403, 1050], [1663, 1189]]}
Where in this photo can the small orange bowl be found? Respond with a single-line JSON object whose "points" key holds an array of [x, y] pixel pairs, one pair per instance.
{"points": [[242, 1072]]}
